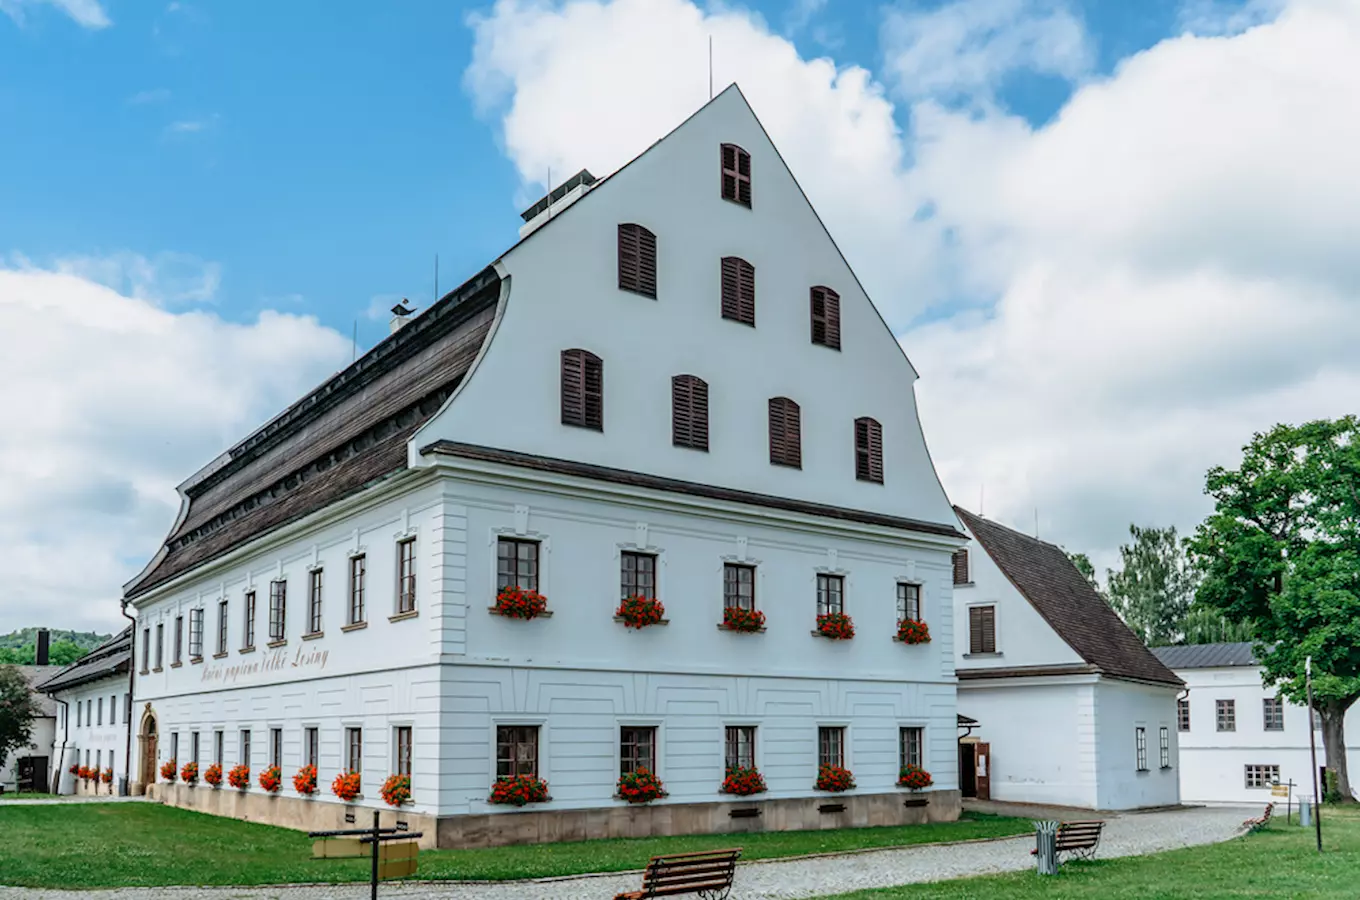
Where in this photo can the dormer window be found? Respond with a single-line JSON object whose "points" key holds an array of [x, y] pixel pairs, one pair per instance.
{"points": [[738, 290], [637, 260], [786, 447], [736, 175], [689, 412], [826, 317], [582, 389], [868, 450]]}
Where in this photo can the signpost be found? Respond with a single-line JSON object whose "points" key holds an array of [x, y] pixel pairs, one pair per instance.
{"points": [[1286, 791], [1312, 743], [393, 849]]}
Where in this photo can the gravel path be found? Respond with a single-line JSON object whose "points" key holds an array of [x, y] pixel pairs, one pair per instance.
{"points": [[1128, 835]]}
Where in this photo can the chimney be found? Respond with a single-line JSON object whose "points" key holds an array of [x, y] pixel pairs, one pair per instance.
{"points": [[44, 641], [556, 200], [401, 314]]}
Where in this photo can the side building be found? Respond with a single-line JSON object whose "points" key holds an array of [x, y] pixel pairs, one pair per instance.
{"points": [[28, 769], [616, 408], [93, 706], [1239, 736], [1069, 707]]}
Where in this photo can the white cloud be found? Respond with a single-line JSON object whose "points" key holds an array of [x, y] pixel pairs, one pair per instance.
{"points": [[963, 49], [1164, 268], [156, 95], [111, 401], [165, 279], [1221, 17], [86, 13], [191, 126]]}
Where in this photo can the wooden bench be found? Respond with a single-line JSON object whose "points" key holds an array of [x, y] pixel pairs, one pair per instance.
{"points": [[1077, 839], [707, 873], [1259, 823]]}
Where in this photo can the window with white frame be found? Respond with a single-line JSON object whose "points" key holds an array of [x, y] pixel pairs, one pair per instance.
{"points": [[1183, 714], [517, 564], [314, 601], [1272, 713], [1258, 776], [739, 586], [637, 748], [911, 746], [637, 574], [354, 749], [830, 594], [217, 747], [160, 645], [311, 744], [196, 635], [146, 650], [276, 746], [358, 575], [1140, 746], [740, 747], [222, 628], [908, 601], [248, 626], [831, 746], [278, 611], [245, 746], [193, 747], [1164, 735], [1226, 714], [516, 751], [406, 575], [174, 745], [179, 640], [401, 737]]}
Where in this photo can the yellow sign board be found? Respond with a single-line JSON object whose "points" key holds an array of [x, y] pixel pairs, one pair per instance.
{"points": [[397, 859], [338, 848], [1279, 790]]}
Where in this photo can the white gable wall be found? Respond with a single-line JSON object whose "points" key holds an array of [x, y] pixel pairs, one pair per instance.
{"points": [[1121, 708], [564, 294]]}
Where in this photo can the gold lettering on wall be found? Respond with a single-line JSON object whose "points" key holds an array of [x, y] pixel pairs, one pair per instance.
{"points": [[271, 662]]}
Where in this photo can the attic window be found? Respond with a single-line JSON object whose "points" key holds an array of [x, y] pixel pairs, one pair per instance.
{"points": [[868, 450], [582, 389], [826, 317], [738, 290], [961, 566], [736, 175], [637, 260], [785, 433], [689, 412]]}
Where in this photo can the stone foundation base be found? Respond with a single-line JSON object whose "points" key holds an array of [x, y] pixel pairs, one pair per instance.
{"points": [[287, 812], [800, 814]]}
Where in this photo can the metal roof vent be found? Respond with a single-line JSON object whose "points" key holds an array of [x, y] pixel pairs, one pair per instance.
{"points": [[401, 314], [556, 200]]}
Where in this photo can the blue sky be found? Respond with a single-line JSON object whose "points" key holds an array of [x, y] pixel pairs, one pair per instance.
{"points": [[1111, 235]]}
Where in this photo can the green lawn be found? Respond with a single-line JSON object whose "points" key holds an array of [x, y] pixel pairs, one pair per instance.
{"points": [[1281, 861], [92, 845], [7, 797]]}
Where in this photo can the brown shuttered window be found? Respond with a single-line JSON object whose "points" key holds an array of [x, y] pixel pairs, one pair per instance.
{"points": [[736, 174], [786, 446], [982, 629], [637, 260], [961, 566], [689, 412], [582, 389], [868, 450], [738, 290], [826, 317]]}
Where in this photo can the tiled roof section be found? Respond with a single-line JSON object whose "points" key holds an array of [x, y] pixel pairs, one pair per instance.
{"points": [[342, 437], [1206, 656], [1047, 579], [36, 675], [113, 657]]}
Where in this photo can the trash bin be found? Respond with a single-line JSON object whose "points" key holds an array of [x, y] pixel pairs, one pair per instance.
{"points": [[1046, 847], [1305, 811]]}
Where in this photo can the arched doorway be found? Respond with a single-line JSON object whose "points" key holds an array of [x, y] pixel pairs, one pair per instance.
{"points": [[146, 751]]}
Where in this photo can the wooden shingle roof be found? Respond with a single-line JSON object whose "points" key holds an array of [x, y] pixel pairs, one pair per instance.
{"points": [[1044, 576]]}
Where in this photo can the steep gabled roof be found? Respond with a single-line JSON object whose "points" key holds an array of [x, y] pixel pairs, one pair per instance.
{"points": [[113, 657], [35, 676], [1207, 656], [342, 437], [1044, 576]]}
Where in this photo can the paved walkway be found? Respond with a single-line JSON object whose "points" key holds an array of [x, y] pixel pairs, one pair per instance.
{"points": [[1125, 835]]}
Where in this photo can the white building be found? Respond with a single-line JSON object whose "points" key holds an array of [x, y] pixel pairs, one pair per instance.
{"points": [[1237, 735], [28, 768], [93, 705], [1071, 708], [617, 405]]}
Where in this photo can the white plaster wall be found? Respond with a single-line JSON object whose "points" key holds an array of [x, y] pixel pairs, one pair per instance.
{"points": [[40, 736], [1023, 637], [1121, 708], [1213, 762], [99, 739], [563, 294], [1040, 734]]}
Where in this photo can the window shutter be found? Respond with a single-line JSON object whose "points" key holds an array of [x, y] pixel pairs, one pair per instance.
{"points": [[736, 174], [785, 433], [689, 412], [989, 629], [961, 566], [637, 260], [582, 389], [738, 290], [868, 450], [826, 317]]}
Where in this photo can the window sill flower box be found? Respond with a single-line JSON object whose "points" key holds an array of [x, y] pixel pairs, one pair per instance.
{"points": [[912, 631], [639, 612], [836, 626], [304, 781], [239, 777], [213, 775], [169, 771], [189, 773], [515, 603], [744, 621], [346, 786], [914, 778], [396, 790], [742, 782], [271, 779], [519, 790], [640, 786], [834, 779]]}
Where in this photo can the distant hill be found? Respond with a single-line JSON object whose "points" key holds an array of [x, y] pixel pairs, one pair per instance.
{"points": [[19, 647]]}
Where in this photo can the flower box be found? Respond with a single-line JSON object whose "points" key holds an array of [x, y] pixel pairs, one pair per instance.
{"points": [[911, 631], [640, 786], [213, 775], [304, 782], [914, 777], [743, 782], [638, 611], [746, 621], [347, 785], [74, 770], [271, 779], [239, 777], [188, 773], [835, 779], [106, 776], [514, 603], [519, 790], [396, 790], [169, 769], [836, 626]]}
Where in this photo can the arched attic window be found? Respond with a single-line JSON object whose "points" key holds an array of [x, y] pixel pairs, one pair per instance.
{"points": [[736, 175]]}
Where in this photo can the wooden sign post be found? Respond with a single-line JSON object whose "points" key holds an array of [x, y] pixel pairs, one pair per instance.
{"points": [[1286, 791], [394, 850]]}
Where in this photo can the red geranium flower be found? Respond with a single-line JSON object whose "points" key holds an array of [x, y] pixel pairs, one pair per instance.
{"points": [[169, 769], [834, 778], [304, 782], [396, 790], [743, 782], [106, 776], [517, 790], [189, 773], [239, 776], [213, 775], [914, 777], [515, 603], [638, 611], [271, 779], [640, 786], [837, 626], [911, 631], [347, 785], [737, 619]]}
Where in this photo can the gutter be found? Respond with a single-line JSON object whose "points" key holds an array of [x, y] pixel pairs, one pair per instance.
{"points": [[125, 787], [65, 734]]}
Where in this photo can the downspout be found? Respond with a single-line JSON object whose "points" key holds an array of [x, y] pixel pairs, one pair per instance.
{"points": [[65, 734], [126, 787]]}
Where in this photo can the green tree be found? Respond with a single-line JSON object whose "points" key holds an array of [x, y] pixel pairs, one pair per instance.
{"points": [[1206, 625], [1088, 571], [1282, 552], [18, 709], [1153, 586], [60, 653]]}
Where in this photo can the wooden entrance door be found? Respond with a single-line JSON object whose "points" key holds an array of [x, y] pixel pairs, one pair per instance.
{"points": [[967, 772], [982, 754], [146, 770]]}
